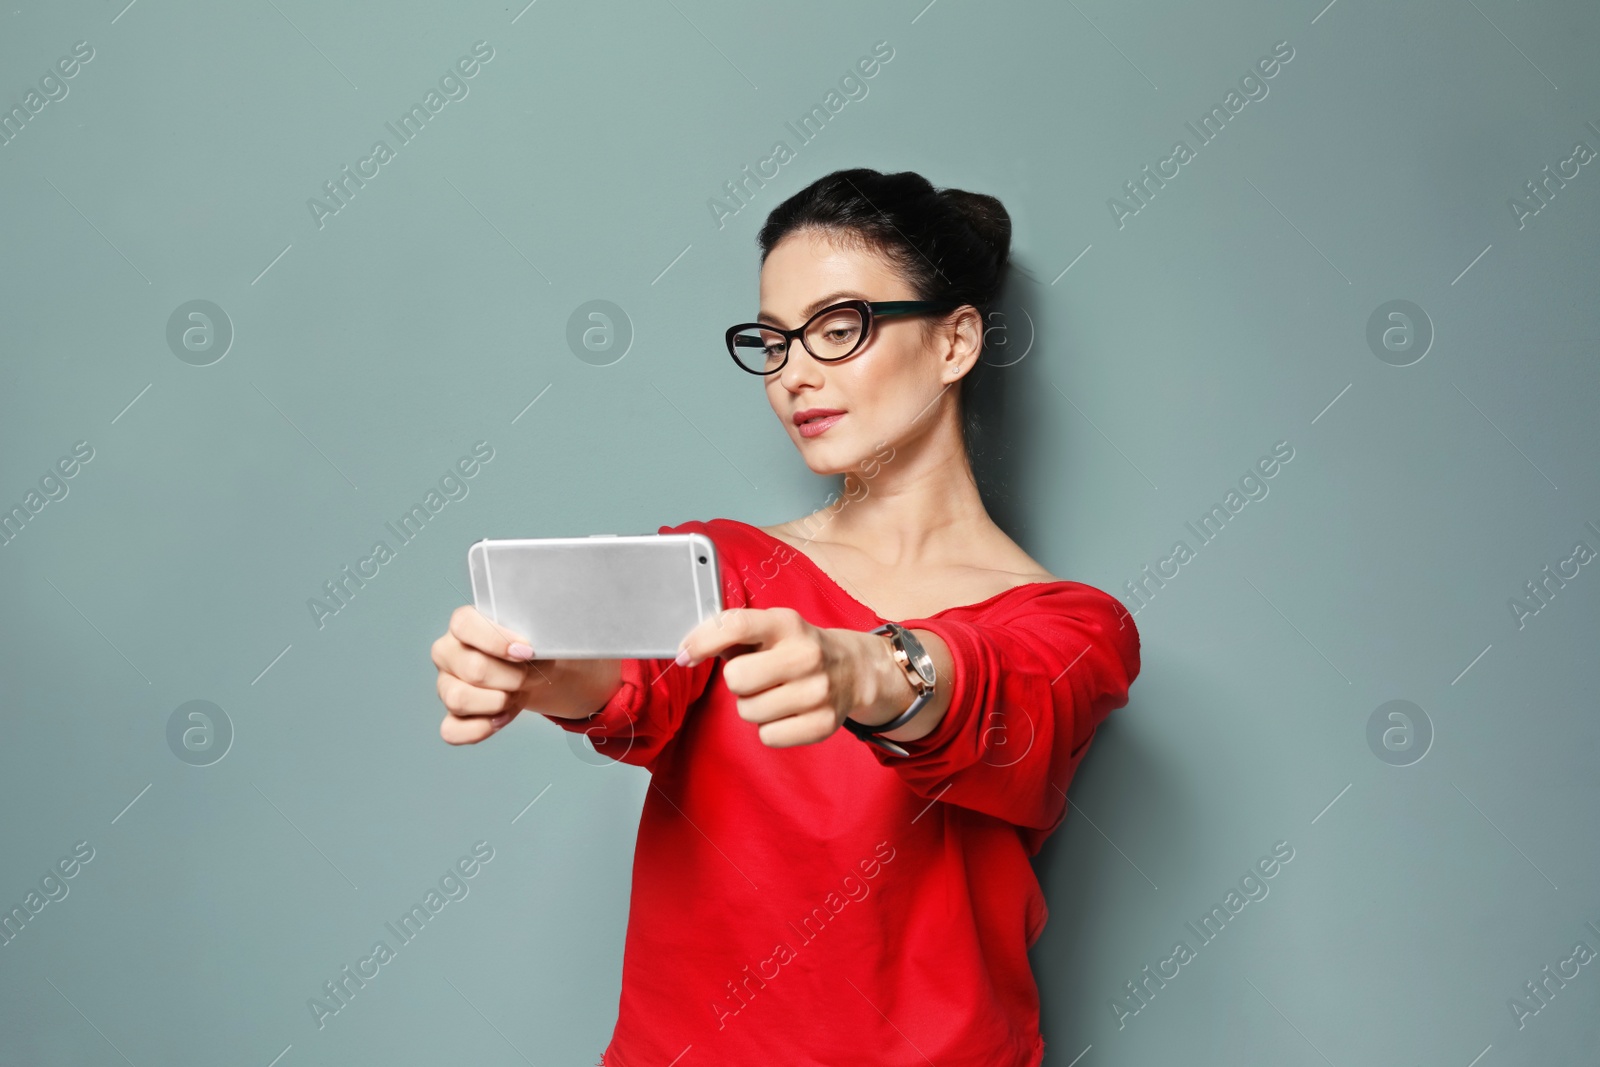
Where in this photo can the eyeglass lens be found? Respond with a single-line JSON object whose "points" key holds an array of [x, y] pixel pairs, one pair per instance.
{"points": [[832, 335]]}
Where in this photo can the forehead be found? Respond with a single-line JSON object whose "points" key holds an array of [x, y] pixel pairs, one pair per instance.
{"points": [[809, 265]]}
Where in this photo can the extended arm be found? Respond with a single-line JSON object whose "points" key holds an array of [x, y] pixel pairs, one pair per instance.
{"points": [[1019, 699]]}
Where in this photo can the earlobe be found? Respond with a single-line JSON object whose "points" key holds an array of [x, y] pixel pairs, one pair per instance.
{"points": [[963, 357]]}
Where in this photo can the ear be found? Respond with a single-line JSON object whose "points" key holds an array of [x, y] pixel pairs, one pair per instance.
{"points": [[962, 337]]}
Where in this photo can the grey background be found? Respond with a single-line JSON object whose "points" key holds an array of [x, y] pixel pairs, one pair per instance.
{"points": [[1229, 314]]}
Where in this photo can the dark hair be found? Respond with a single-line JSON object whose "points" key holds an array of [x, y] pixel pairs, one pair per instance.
{"points": [[948, 244]]}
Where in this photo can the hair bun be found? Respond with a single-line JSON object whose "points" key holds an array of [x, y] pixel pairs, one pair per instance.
{"points": [[986, 216], [947, 244]]}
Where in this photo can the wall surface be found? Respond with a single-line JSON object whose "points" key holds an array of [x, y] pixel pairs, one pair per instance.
{"points": [[1373, 272]]}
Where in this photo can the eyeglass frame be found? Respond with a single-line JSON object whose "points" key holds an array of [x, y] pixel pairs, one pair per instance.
{"points": [[869, 309]]}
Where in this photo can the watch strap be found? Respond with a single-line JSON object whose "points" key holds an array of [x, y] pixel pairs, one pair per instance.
{"points": [[873, 739]]}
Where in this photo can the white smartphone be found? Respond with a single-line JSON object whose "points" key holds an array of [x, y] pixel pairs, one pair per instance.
{"points": [[605, 596]]}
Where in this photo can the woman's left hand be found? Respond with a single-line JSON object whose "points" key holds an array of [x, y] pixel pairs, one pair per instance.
{"points": [[797, 681]]}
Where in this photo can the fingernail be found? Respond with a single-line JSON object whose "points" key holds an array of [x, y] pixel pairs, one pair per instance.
{"points": [[520, 651], [501, 719], [683, 657]]}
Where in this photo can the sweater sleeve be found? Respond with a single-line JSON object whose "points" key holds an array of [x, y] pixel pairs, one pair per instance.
{"points": [[644, 714], [1030, 687]]}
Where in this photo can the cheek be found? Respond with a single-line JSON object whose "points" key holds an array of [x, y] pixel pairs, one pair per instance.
{"points": [[891, 377]]}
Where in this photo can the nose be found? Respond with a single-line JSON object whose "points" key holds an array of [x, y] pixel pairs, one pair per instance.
{"points": [[800, 369]]}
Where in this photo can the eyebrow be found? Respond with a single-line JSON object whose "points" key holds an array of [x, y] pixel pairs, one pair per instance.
{"points": [[816, 305]]}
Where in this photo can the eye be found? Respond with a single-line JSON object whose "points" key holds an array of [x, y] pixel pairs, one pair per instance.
{"points": [[838, 331]]}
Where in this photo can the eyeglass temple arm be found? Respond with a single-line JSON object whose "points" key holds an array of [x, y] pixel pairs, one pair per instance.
{"points": [[907, 307]]}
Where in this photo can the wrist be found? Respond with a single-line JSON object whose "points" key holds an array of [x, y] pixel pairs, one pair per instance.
{"points": [[887, 691], [570, 688]]}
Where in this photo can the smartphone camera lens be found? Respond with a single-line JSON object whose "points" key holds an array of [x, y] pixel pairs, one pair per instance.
{"points": [[702, 559]]}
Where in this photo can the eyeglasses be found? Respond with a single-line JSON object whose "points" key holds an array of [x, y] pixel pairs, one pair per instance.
{"points": [[834, 333]]}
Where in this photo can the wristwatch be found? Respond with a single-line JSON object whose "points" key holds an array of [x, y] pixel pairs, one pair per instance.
{"points": [[918, 667]]}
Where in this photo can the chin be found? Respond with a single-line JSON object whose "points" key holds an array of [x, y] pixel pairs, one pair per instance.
{"points": [[828, 457], [820, 464]]}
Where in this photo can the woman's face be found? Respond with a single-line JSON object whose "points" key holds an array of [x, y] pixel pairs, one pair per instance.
{"points": [[882, 388]]}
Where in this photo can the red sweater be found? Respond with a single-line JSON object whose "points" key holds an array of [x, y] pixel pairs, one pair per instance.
{"points": [[834, 903]]}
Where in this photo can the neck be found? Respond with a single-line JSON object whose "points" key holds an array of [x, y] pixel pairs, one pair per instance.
{"points": [[921, 506]]}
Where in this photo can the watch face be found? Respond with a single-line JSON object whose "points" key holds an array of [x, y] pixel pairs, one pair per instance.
{"points": [[921, 662]]}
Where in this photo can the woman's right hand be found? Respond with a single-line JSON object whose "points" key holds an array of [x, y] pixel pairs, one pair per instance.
{"points": [[487, 674]]}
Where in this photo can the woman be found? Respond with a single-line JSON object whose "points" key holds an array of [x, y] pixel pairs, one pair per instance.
{"points": [[833, 858]]}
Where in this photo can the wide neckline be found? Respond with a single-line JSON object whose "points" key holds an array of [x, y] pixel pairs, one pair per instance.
{"points": [[817, 570]]}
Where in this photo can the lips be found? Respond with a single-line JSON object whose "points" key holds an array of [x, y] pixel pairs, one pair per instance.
{"points": [[813, 421]]}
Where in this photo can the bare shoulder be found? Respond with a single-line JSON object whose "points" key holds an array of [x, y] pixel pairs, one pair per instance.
{"points": [[1015, 567], [779, 532], [997, 553]]}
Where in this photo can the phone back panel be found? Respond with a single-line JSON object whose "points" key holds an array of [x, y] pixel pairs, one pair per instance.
{"points": [[599, 597]]}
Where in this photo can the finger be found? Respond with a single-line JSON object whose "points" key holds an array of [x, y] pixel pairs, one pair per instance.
{"points": [[804, 729], [735, 626], [716, 633], [460, 698], [485, 671], [786, 661], [781, 701], [476, 630], [458, 731]]}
